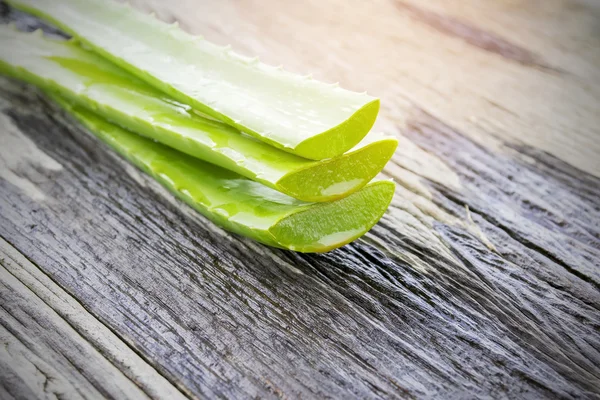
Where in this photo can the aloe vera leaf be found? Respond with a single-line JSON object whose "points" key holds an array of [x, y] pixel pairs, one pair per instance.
{"points": [[93, 82], [298, 114], [241, 205]]}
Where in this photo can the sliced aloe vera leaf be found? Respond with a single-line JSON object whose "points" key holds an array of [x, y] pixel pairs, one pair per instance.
{"points": [[298, 114], [241, 205], [93, 82]]}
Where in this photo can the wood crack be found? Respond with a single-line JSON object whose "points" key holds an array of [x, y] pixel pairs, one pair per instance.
{"points": [[9, 253]]}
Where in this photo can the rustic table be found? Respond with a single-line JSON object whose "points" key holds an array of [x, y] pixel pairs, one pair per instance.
{"points": [[482, 280]]}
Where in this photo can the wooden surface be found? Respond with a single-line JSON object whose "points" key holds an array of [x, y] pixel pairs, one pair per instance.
{"points": [[482, 280]]}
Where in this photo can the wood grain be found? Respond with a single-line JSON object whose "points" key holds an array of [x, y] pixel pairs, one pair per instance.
{"points": [[52, 347], [482, 280]]}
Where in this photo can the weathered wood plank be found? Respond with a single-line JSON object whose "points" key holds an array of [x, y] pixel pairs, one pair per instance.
{"points": [[52, 347], [397, 314], [481, 280]]}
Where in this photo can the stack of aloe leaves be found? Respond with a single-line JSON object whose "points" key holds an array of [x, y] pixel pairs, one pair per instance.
{"points": [[274, 156]]}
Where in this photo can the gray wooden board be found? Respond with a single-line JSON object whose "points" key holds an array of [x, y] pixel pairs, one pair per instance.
{"points": [[52, 347], [392, 315], [39, 344]]}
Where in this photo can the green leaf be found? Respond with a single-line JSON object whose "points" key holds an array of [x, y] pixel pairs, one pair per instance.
{"points": [[298, 114], [93, 82], [241, 205]]}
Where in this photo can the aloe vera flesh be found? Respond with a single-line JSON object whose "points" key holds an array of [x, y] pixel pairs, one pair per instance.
{"points": [[241, 205], [93, 82], [298, 114]]}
